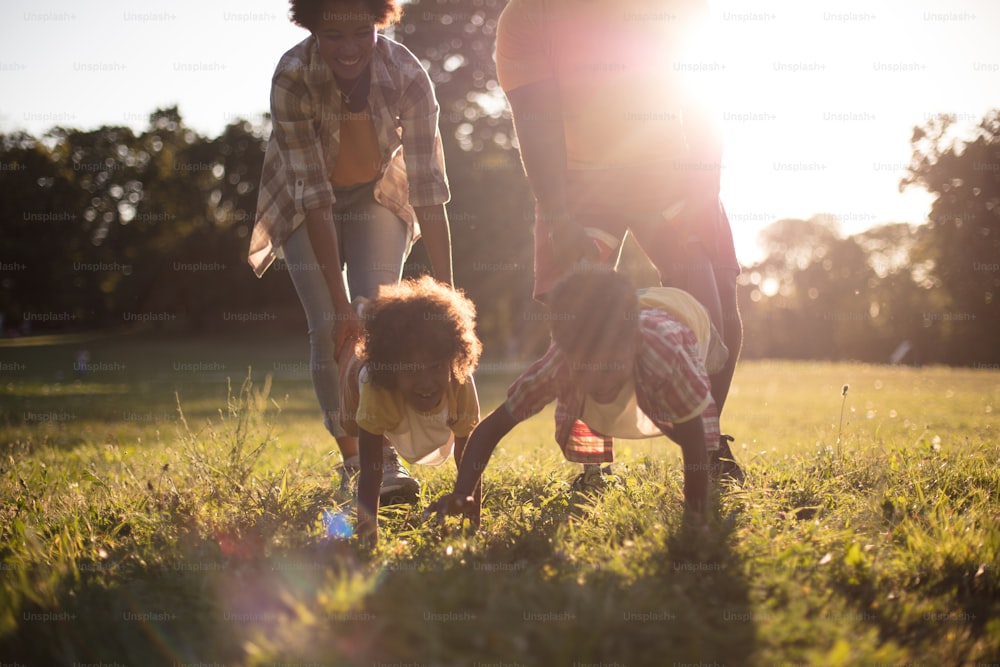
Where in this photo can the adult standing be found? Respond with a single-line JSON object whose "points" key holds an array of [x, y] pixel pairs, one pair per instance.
{"points": [[613, 138], [353, 173]]}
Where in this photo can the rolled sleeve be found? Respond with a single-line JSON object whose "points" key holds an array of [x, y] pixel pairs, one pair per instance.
{"points": [[536, 387], [292, 113], [466, 408], [522, 53], [423, 151]]}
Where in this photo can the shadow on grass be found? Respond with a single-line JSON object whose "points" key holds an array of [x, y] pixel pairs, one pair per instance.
{"points": [[937, 599], [256, 593], [76, 416], [664, 595], [128, 385], [195, 594]]}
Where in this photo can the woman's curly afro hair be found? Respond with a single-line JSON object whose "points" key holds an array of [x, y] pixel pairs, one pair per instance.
{"points": [[308, 13], [419, 316]]}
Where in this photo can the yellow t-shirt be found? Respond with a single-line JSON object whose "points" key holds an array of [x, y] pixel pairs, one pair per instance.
{"points": [[618, 67], [358, 160], [419, 437]]}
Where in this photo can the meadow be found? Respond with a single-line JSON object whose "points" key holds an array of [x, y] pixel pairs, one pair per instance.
{"points": [[174, 502]]}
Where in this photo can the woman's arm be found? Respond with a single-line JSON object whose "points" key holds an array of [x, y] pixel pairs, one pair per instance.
{"points": [[436, 233], [326, 247], [293, 113], [538, 122], [423, 151]]}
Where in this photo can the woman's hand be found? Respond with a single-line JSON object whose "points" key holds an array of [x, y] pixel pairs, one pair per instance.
{"points": [[347, 329], [570, 245], [569, 241]]}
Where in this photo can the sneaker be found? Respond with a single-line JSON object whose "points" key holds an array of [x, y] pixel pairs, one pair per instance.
{"points": [[724, 465], [594, 480], [397, 484]]}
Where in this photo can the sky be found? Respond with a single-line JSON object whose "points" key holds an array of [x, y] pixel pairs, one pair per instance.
{"points": [[818, 98]]}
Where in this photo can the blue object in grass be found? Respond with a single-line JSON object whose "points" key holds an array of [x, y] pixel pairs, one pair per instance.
{"points": [[337, 525]]}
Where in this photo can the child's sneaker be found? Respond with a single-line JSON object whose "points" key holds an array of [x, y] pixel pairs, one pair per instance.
{"points": [[397, 484], [724, 465], [594, 480]]}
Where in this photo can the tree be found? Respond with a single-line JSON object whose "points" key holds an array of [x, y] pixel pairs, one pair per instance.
{"points": [[960, 251], [105, 227], [491, 210], [901, 293], [39, 210], [813, 297]]}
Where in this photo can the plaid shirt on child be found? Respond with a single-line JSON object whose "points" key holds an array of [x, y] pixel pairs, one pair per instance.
{"points": [[671, 385], [305, 141]]}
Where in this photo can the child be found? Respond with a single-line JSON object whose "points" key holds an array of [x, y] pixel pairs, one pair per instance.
{"points": [[411, 383], [625, 364]]}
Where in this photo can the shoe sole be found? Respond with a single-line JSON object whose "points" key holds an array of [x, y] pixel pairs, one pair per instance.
{"points": [[403, 492], [398, 497], [406, 485]]}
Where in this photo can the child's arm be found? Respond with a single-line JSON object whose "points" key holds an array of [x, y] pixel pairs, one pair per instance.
{"points": [[369, 484], [690, 435], [476, 454], [473, 512]]}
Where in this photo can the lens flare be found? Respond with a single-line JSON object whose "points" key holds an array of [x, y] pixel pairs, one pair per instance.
{"points": [[337, 525]]}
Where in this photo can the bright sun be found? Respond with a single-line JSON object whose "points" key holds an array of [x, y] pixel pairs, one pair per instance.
{"points": [[817, 103]]}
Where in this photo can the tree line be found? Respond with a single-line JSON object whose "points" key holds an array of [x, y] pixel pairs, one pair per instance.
{"points": [[108, 228], [927, 293]]}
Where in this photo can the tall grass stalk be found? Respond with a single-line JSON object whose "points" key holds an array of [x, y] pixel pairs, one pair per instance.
{"points": [[840, 426]]}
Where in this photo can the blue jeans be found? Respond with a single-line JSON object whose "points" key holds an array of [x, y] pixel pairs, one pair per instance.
{"points": [[373, 243]]}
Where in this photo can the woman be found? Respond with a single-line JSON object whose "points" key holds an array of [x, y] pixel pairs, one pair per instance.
{"points": [[354, 172]]}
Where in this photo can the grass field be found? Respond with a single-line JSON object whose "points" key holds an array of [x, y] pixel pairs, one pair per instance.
{"points": [[867, 533]]}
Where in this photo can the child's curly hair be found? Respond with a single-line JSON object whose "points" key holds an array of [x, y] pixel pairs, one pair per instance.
{"points": [[591, 310], [419, 314], [308, 13]]}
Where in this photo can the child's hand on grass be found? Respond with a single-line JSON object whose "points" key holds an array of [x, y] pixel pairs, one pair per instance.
{"points": [[367, 533], [453, 504]]}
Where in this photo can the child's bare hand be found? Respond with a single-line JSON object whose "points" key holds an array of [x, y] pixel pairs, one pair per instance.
{"points": [[452, 504], [367, 534]]}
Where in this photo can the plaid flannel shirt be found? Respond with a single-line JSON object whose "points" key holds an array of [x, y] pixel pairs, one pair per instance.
{"points": [[305, 141], [671, 385]]}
